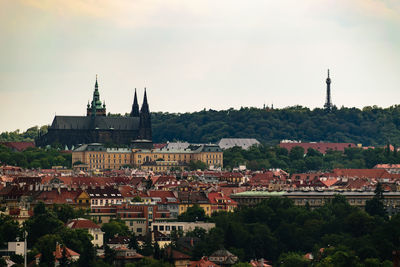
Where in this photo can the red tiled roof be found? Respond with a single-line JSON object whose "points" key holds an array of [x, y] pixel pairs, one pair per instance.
{"points": [[127, 191], [82, 224], [176, 255], [321, 147], [158, 146], [361, 173], [69, 252], [329, 182], [227, 191], [163, 195], [19, 146], [58, 197], [387, 166], [203, 262], [215, 196]]}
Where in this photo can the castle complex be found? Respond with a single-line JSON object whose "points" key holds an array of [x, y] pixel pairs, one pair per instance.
{"points": [[97, 127]]}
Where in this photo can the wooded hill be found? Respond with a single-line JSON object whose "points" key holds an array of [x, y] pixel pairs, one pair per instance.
{"points": [[369, 126]]}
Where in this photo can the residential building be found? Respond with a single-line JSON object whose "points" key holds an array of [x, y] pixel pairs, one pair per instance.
{"points": [[167, 227], [244, 143], [319, 146], [93, 229], [190, 198], [104, 196], [223, 258], [221, 202], [139, 217]]}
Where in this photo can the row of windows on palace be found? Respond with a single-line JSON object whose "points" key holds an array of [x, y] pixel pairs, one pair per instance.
{"points": [[213, 156]]}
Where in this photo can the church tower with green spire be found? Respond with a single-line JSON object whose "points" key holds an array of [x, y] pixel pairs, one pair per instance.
{"points": [[96, 108]]}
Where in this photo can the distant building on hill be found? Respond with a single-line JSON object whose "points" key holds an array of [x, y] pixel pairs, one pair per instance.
{"points": [[245, 143], [319, 146], [18, 146], [97, 127]]}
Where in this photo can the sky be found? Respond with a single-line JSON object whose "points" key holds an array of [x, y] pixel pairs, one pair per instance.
{"points": [[194, 54]]}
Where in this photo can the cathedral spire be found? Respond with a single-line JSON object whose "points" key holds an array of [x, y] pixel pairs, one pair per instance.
{"points": [[328, 104], [145, 120], [96, 108], [145, 105], [135, 106], [96, 85]]}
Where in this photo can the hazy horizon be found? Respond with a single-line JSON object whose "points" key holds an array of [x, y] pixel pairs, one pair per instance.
{"points": [[193, 55]]}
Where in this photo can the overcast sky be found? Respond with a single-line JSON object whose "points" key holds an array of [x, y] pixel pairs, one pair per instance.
{"points": [[190, 54]]}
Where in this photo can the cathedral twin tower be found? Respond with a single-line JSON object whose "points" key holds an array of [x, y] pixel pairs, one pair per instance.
{"points": [[97, 127]]}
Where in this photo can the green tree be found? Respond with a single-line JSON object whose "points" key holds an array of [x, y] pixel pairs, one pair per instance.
{"points": [[197, 165], [193, 214], [292, 259], [375, 206], [113, 228], [109, 255]]}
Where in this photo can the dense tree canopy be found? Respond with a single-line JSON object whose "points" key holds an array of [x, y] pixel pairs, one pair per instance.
{"points": [[34, 158], [193, 214], [266, 157], [369, 126], [27, 136], [337, 234]]}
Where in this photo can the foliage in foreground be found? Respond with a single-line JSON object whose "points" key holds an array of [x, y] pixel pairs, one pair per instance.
{"points": [[337, 234]]}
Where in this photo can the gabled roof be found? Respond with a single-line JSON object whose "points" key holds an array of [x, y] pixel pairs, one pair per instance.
{"points": [[361, 173], [176, 255], [106, 192], [320, 146], [244, 143], [19, 146], [100, 122], [58, 196], [203, 262], [192, 197], [81, 223]]}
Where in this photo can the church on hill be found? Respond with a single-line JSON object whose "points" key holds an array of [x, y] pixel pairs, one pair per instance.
{"points": [[97, 127]]}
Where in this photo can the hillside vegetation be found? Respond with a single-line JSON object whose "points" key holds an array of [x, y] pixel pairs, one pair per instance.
{"points": [[369, 126]]}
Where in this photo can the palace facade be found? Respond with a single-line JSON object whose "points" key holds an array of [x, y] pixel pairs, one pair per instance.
{"points": [[98, 157]]}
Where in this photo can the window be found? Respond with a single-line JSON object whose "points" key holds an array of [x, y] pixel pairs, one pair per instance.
{"points": [[139, 230], [96, 237], [130, 223], [161, 227], [167, 228]]}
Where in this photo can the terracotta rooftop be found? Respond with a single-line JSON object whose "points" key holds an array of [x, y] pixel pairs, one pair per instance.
{"points": [[81, 223]]}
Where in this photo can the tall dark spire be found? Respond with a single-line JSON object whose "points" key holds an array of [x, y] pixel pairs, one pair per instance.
{"points": [[328, 103], [145, 105], [145, 120], [135, 107]]}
